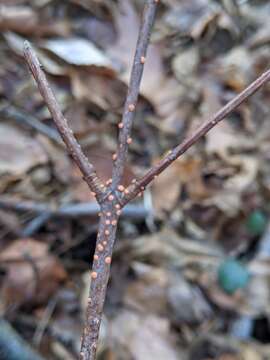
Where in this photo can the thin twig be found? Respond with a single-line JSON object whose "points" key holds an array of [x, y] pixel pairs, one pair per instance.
{"points": [[72, 210], [133, 92], [12, 112], [111, 208], [34, 225], [43, 324], [139, 186], [13, 346], [87, 169]]}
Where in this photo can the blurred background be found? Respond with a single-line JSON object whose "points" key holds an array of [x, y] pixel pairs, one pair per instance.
{"points": [[191, 270]]}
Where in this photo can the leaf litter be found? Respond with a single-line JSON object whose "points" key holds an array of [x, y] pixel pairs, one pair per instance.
{"points": [[164, 299]]}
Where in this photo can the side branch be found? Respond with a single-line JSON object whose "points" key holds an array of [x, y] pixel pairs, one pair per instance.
{"points": [[136, 188], [133, 91], [87, 169]]}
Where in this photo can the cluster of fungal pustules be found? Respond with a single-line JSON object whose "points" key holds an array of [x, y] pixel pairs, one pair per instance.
{"points": [[110, 220]]}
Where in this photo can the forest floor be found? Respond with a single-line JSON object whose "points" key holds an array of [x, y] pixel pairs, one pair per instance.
{"points": [[209, 211]]}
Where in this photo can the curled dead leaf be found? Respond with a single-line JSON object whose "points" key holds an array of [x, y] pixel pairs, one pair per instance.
{"points": [[32, 274], [18, 152]]}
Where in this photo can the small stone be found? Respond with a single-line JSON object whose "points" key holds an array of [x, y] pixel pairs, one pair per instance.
{"points": [[232, 276], [256, 223]]}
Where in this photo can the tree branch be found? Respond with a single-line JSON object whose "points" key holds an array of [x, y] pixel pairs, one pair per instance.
{"points": [[139, 186], [71, 210], [133, 92], [99, 280], [87, 169]]}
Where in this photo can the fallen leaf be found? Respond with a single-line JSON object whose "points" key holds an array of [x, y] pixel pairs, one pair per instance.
{"points": [[32, 273], [167, 247], [234, 71], [78, 51], [167, 188], [109, 92], [20, 154], [22, 19], [148, 292], [156, 87], [168, 185], [185, 63], [248, 168], [146, 337], [248, 353]]}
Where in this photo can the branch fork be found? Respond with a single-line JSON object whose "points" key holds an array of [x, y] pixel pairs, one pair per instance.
{"points": [[112, 197]]}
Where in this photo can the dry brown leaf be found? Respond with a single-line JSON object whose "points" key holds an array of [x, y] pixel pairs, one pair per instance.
{"points": [[108, 92], [167, 247], [226, 200], [187, 305], [259, 284], [22, 19], [248, 353], [32, 273], [261, 37], [185, 63], [194, 16], [236, 302], [235, 71], [59, 159], [167, 188], [78, 51], [222, 139], [148, 292], [18, 152], [168, 185], [16, 43], [248, 169], [160, 90], [146, 337], [127, 18], [229, 198]]}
